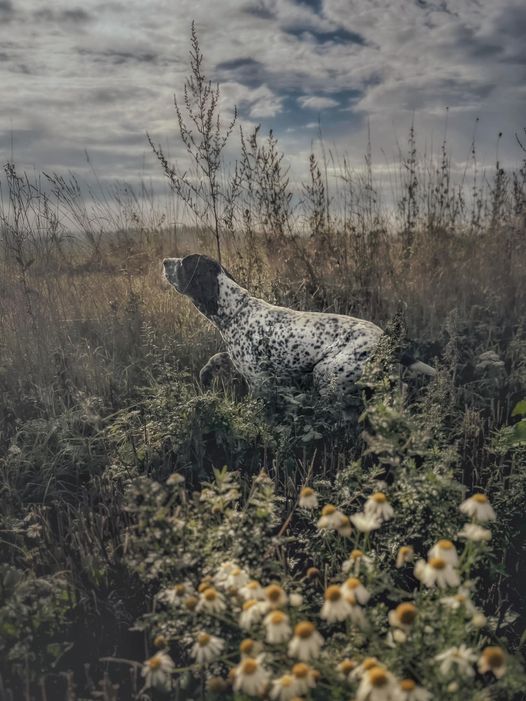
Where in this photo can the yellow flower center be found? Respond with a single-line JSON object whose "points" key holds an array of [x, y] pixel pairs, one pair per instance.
{"points": [[180, 589], [160, 641], [249, 666], [379, 498], [203, 639], [286, 681], [344, 521], [235, 572], [333, 593], [216, 685], [347, 666], [461, 598], [369, 663], [277, 617], [306, 492], [406, 550], [312, 572], [210, 594], [445, 545], [480, 498], [304, 630], [356, 554], [328, 510], [406, 613], [352, 583], [351, 599], [191, 603], [274, 593], [253, 585], [300, 670], [493, 656], [246, 646], [154, 662], [437, 563], [407, 685], [378, 678], [249, 604]]}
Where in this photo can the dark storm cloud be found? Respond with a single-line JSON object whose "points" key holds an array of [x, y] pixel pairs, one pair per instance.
{"points": [[6, 8], [117, 57], [247, 71]]}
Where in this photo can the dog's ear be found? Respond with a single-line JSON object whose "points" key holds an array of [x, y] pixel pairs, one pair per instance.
{"points": [[202, 285]]}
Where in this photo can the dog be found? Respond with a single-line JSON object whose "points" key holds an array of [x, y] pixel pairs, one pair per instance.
{"points": [[267, 343]]}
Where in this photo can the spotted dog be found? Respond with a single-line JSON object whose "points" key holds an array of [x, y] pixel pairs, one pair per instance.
{"points": [[267, 342]]}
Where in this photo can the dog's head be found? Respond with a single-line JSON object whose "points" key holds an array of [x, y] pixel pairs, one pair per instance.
{"points": [[196, 276]]}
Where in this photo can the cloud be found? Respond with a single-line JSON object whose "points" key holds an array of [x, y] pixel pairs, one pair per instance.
{"points": [[317, 102], [101, 74]]}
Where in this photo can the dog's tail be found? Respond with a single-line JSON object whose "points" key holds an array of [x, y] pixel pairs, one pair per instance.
{"points": [[417, 366]]}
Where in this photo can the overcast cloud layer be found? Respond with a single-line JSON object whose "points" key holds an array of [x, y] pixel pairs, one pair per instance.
{"points": [[98, 75]]}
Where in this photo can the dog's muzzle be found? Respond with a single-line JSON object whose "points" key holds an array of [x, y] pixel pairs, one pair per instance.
{"points": [[171, 267]]}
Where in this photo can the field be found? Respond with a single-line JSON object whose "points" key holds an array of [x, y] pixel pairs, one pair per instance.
{"points": [[126, 488]]}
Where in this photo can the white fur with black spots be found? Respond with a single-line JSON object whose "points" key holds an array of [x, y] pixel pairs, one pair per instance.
{"points": [[266, 342]]}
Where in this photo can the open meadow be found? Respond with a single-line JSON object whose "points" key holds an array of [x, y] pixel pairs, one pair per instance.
{"points": [[157, 540]]}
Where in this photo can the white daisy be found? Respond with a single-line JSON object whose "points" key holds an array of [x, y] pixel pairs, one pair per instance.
{"points": [[306, 643], [378, 506], [345, 667], [475, 533], [403, 616], [461, 657], [356, 614], [236, 578], [409, 691], [344, 529], [458, 600], [295, 599], [405, 554], [251, 677], [175, 595], [335, 608], [377, 684], [354, 586], [175, 479], [158, 670], [437, 572], [479, 508], [357, 560], [250, 648], [251, 613], [479, 620], [252, 590], [211, 601], [207, 648], [284, 688], [308, 498], [331, 518], [364, 666], [224, 570], [366, 523], [275, 596], [305, 678], [445, 550], [278, 627], [492, 660]]}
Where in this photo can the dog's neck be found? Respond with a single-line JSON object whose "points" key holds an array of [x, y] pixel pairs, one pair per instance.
{"points": [[232, 298]]}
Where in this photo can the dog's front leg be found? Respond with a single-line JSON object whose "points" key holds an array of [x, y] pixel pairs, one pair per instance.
{"points": [[219, 364]]}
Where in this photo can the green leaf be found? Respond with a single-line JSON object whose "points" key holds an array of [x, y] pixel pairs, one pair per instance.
{"points": [[519, 409]]}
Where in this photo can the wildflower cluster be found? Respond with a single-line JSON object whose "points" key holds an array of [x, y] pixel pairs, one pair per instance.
{"points": [[301, 635]]}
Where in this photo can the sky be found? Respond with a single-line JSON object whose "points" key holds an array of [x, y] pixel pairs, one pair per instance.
{"points": [[97, 76]]}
